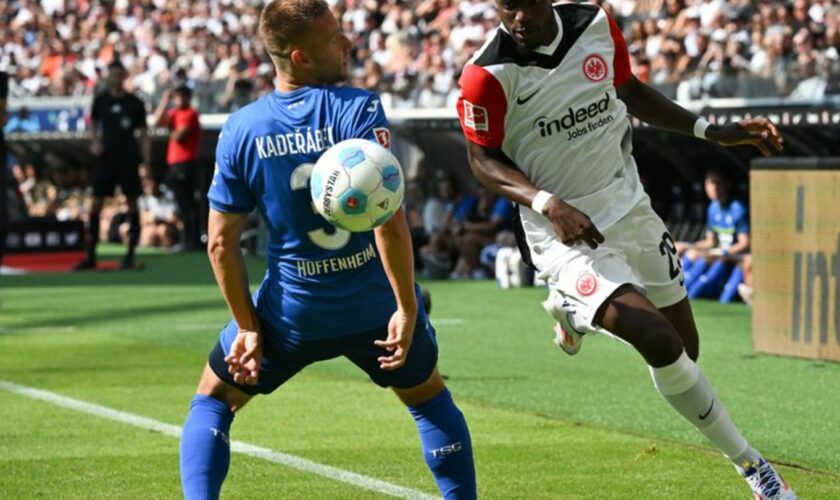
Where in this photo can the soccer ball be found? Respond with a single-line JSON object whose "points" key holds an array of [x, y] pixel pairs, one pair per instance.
{"points": [[357, 185]]}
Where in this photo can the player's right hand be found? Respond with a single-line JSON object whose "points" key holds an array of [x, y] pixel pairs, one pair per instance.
{"points": [[571, 225], [400, 334], [245, 356]]}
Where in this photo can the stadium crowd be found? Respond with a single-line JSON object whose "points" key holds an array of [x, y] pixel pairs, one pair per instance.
{"points": [[409, 50]]}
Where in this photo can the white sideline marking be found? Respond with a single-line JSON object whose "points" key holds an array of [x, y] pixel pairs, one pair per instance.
{"points": [[36, 329], [446, 321], [292, 461]]}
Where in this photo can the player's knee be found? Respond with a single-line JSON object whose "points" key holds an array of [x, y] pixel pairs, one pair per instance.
{"points": [[660, 344], [422, 393], [211, 385]]}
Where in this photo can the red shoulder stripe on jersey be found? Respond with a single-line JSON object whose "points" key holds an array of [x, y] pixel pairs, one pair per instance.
{"points": [[482, 107], [621, 58]]}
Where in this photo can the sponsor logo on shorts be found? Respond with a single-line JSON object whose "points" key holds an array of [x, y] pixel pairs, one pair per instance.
{"points": [[594, 68], [383, 137], [586, 284], [475, 117]]}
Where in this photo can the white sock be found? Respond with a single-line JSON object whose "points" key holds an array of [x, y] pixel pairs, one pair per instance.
{"points": [[683, 385]]}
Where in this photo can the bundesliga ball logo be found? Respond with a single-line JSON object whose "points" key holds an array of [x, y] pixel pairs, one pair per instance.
{"points": [[357, 185], [595, 68]]}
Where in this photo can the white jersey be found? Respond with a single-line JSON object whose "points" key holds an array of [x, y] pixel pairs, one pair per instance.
{"points": [[555, 113]]}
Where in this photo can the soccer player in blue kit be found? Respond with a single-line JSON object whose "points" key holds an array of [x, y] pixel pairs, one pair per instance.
{"points": [[711, 266], [327, 292]]}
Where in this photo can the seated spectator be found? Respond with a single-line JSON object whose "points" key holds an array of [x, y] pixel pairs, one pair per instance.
{"points": [[485, 216], [442, 217], [413, 205], [710, 265], [160, 223]]}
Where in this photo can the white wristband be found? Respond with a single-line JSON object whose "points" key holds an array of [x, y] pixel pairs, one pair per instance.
{"points": [[540, 200], [700, 127]]}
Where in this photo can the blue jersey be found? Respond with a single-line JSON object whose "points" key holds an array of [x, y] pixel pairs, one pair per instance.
{"points": [[321, 281], [727, 222]]}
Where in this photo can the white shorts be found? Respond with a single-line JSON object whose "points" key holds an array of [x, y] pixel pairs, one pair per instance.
{"points": [[637, 250]]}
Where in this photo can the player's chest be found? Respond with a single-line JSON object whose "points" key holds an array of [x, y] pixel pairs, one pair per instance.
{"points": [[578, 89]]}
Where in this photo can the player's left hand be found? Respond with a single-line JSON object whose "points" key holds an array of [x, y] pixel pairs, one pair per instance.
{"points": [[245, 356], [400, 333], [758, 132]]}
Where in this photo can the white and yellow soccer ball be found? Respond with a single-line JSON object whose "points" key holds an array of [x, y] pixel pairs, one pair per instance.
{"points": [[357, 185]]}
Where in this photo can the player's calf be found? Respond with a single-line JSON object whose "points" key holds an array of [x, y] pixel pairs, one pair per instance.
{"points": [[444, 435]]}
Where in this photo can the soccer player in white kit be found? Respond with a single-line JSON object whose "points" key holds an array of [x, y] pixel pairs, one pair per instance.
{"points": [[544, 107]]}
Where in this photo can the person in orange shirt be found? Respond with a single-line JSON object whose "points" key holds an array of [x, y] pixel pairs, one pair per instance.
{"points": [[182, 155]]}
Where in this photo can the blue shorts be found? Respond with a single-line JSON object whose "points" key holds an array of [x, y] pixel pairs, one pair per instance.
{"points": [[284, 356]]}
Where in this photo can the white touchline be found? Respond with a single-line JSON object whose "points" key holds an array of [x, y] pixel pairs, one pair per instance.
{"points": [[292, 461], [446, 321], [37, 329]]}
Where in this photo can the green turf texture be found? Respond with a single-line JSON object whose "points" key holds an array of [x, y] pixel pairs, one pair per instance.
{"points": [[544, 425]]}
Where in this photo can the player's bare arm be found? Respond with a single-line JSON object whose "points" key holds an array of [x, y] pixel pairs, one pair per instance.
{"points": [[650, 106], [393, 241], [146, 144], [224, 231], [499, 174], [160, 118]]}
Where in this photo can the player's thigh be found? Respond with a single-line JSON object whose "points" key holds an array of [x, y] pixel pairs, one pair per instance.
{"points": [[652, 253], [584, 279], [419, 365], [282, 358], [104, 180], [129, 179]]}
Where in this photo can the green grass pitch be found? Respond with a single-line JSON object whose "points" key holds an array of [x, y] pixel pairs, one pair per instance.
{"points": [[544, 425]]}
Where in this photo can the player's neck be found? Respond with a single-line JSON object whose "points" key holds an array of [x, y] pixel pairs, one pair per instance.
{"points": [[289, 81]]}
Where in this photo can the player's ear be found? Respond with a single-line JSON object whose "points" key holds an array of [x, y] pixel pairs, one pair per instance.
{"points": [[299, 57]]}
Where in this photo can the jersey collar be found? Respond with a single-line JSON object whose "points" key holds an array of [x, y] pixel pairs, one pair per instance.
{"points": [[550, 48]]}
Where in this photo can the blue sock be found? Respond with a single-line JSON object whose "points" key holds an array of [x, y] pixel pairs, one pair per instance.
{"points": [[446, 446], [730, 289], [709, 283], [205, 448]]}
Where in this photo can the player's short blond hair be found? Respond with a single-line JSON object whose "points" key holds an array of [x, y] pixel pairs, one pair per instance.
{"points": [[282, 22]]}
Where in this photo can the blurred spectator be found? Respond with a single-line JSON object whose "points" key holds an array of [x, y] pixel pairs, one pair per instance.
{"points": [[182, 156], [63, 48], [443, 214], [485, 215], [711, 266], [160, 223], [413, 205]]}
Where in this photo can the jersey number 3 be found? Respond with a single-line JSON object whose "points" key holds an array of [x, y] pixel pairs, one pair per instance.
{"points": [[319, 237]]}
